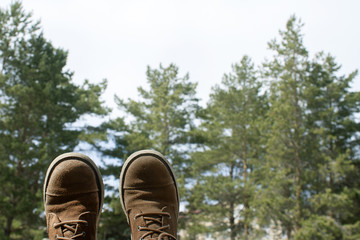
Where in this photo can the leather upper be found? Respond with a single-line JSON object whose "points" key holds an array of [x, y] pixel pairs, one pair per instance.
{"points": [[150, 197], [73, 200]]}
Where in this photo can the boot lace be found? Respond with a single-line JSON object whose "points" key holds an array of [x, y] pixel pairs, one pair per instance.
{"points": [[71, 226], [152, 218]]}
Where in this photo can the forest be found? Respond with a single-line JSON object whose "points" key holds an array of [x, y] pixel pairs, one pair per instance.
{"points": [[274, 154]]}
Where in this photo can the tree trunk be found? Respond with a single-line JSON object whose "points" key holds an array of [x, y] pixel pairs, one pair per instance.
{"points": [[232, 210], [246, 198], [297, 146], [288, 232], [8, 227], [298, 192], [232, 222]]}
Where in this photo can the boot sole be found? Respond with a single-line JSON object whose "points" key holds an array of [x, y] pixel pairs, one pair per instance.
{"points": [[88, 161], [132, 158]]}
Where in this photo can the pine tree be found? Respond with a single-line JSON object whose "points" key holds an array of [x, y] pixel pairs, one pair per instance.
{"points": [[223, 170], [39, 104], [308, 182], [284, 172], [162, 119], [332, 127], [164, 116]]}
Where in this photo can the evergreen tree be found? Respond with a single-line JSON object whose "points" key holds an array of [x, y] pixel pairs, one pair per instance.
{"points": [[162, 119], [283, 194], [319, 228], [308, 182], [39, 104], [164, 116], [223, 170], [333, 130]]}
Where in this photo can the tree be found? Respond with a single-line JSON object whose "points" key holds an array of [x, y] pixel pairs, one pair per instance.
{"points": [[312, 143], [223, 169], [285, 172], [39, 106], [333, 127], [162, 119], [319, 228]]}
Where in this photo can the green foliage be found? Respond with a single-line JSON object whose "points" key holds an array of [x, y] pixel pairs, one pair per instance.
{"points": [[352, 231], [286, 139], [113, 223], [319, 228], [223, 169], [301, 154], [38, 105], [333, 126], [162, 118]]}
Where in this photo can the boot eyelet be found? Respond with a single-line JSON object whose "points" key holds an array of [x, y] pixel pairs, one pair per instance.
{"points": [[139, 228], [168, 226], [83, 234], [56, 236]]}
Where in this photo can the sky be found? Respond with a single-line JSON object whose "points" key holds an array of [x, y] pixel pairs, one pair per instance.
{"points": [[118, 39]]}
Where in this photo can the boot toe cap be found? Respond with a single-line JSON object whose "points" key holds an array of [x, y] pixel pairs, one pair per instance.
{"points": [[147, 171], [72, 177]]}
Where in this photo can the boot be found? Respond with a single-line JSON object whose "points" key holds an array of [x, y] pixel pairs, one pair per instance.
{"points": [[73, 197], [149, 196]]}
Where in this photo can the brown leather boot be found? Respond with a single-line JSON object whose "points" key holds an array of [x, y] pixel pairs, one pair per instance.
{"points": [[73, 197], [149, 196]]}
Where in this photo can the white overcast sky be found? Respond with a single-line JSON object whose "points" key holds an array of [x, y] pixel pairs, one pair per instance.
{"points": [[117, 39]]}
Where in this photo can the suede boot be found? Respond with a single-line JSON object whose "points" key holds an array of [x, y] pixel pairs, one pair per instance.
{"points": [[73, 197], [149, 196]]}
